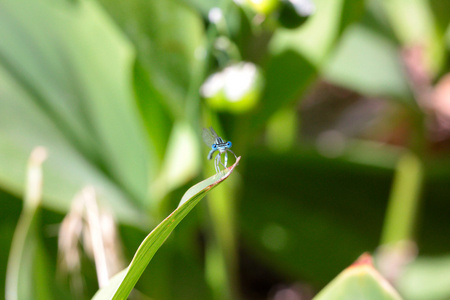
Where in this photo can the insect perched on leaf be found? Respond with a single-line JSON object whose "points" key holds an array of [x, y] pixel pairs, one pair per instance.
{"points": [[216, 143]]}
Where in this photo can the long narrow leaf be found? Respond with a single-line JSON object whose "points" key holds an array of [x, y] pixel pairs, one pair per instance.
{"points": [[121, 285]]}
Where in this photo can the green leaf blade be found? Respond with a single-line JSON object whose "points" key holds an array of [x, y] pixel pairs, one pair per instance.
{"points": [[121, 285], [65, 70], [359, 281]]}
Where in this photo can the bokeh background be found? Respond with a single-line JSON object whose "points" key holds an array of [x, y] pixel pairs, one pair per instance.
{"points": [[339, 109]]}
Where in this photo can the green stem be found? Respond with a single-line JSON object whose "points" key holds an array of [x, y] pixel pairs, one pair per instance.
{"points": [[221, 253], [404, 200], [221, 264]]}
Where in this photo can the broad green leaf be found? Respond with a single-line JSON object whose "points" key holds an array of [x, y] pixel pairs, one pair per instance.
{"points": [[369, 63], [65, 84], [359, 281], [168, 37], [316, 38], [168, 53], [122, 284], [296, 56], [426, 278]]}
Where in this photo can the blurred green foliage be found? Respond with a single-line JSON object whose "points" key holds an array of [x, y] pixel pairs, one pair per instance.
{"points": [[112, 90]]}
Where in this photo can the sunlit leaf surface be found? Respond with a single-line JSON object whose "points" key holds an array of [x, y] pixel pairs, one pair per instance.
{"points": [[122, 284]]}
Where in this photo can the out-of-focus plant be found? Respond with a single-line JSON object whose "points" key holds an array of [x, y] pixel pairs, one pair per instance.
{"points": [[237, 88], [338, 108]]}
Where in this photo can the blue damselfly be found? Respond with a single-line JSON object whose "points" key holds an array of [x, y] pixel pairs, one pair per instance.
{"points": [[216, 143]]}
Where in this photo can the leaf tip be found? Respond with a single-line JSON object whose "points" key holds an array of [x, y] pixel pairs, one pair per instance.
{"points": [[364, 260]]}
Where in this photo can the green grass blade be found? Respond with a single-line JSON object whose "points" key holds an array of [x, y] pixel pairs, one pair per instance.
{"points": [[121, 285]]}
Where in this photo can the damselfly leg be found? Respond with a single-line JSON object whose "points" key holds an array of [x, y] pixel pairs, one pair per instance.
{"points": [[217, 163]]}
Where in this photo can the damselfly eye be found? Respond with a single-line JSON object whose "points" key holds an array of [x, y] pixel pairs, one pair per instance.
{"points": [[229, 144], [214, 146]]}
